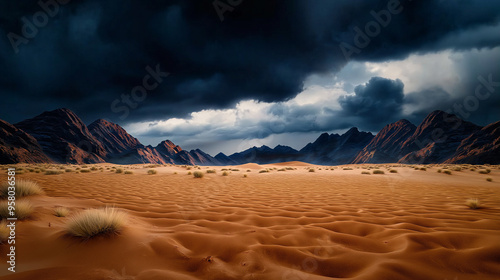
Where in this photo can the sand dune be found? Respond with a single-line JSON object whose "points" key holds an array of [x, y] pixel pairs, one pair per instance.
{"points": [[292, 225]]}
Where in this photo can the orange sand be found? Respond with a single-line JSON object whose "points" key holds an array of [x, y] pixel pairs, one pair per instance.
{"points": [[292, 225]]}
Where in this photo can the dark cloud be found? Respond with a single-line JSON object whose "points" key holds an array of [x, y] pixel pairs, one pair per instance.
{"points": [[93, 51], [377, 102]]}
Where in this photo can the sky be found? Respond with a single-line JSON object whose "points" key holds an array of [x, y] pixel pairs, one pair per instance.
{"points": [[226, 75]]}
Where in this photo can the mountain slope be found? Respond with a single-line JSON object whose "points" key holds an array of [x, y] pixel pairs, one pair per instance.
{"points": [[436, 139], [481, 147], [18, 146], [386, 145], [336, 149], [64, 137], [265, 154]]}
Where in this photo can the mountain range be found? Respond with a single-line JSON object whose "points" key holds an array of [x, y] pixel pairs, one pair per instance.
{"points": [[60, 136]]}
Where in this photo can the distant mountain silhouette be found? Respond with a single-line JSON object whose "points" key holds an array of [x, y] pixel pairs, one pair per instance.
{"points": [[60, 136]]}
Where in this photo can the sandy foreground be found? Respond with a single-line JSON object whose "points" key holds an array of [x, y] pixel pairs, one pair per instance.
{"points": [[290, 225]]}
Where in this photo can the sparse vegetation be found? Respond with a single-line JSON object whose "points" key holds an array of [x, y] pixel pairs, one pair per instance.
{"points": [[94, 222], [152, 172], [473, 203], [365, 173], [378, 171], [423, 169], [119, 170], [211, 171], [235, 170], [23, 188], [312, 170], [85, 170], [264, 171], [439, 171], [347, 168], [484, 171], [245, 175], [61, 211], [129, 172], [282, 169], [447, 172], [68, 170], [198, 174], [489, 179], [225, 173], [393, 171], [23, 210], [190, 173]]}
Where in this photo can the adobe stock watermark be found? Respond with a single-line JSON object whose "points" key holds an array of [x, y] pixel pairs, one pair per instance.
{"points": [[363, 38], [40, 19], [139, 93], [223, 6]]}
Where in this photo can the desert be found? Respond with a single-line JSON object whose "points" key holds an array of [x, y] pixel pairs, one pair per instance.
{"points": [[289, 220]]}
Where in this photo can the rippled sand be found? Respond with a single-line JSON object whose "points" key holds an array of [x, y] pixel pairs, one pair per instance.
{"points": [[291, 225]]}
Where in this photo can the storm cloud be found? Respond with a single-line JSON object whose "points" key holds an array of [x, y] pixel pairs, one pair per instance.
{"points": [[92, 52]]}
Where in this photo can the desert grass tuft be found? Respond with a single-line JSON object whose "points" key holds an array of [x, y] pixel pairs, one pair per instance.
{"points": [[198, 174], [211, 171], [119, 170], [312, 170], [129, 172], [245, 175], [23, 210], [152, 172], [94, 222], [225, 173], [23, 188], [365, 173], [346, 168], [473, 203], [85, 170], [264, 171], [447, 172], [61, 211], [393, 171], [489, 179], [378, 171]]}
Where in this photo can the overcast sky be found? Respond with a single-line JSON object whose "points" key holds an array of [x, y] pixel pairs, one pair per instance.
{"points": [[209, 75]]}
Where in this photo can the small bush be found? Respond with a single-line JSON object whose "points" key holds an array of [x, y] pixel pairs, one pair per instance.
{"points": [[473, 203], [68, 170], [119, 170], [312, 170], [23, 210], [211, 171], [484, 171], [423, 169], [347, 168], [439, 171], [365, 173], [282, 169], [190, 173], [447, 172], [378, 171], [225, 173], [458, 168], [94, 222], [393, 171], [152, 172], [61, 211], [23, 188], [263, 171], [198, 174], [223, 169], [129, 172], [85, 170], [245, 175], [93, 168], [51, 172], [489, 179]]}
